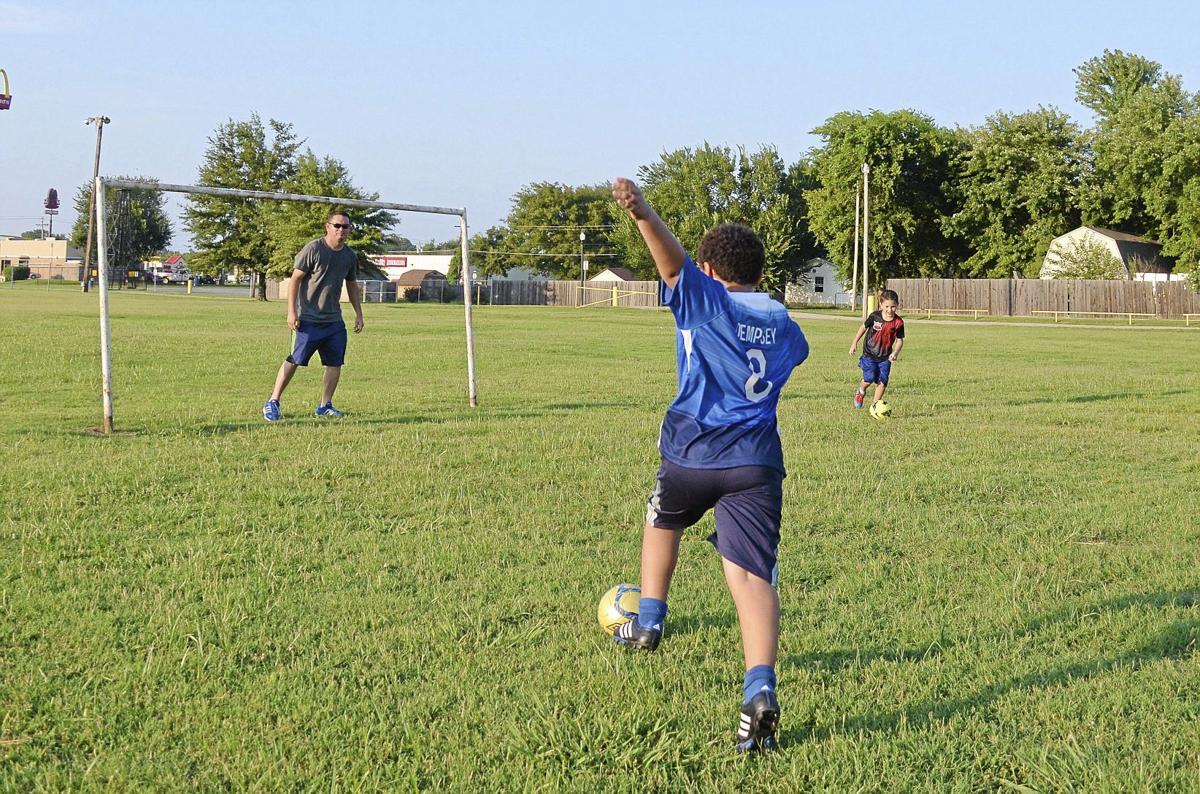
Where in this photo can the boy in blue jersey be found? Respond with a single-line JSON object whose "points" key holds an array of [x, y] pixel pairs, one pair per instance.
{"points": [[720, 443]]}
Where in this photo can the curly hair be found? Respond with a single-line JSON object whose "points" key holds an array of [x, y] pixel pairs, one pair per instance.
{"points": [[734, 252]]}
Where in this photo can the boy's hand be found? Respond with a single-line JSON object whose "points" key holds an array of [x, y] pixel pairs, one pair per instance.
{"points": [[629, 197], [853, 349], [893, 356]]}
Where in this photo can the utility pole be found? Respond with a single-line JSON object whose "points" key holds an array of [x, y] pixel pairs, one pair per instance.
{"points": [[866, 172], [580, 301], [854, 279], [99, 121]]}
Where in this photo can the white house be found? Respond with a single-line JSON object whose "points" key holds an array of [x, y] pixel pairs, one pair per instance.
{"points": [[396, 265], [615, 274], [518, 274], [819, 284], [1137, 255]]}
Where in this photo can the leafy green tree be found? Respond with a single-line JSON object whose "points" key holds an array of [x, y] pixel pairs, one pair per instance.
{"points": [[1017, 187], [1135, 103], [1108, 82], [911, 162], [1174, 200], [487, 254], [395, 242], [38, 234], [293, 224], [1086, 258], [694, 190], [138, 226], [235, 233], [541, 232]]}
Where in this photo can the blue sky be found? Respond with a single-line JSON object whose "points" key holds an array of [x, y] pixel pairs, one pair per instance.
{"points": [[463, 103]]}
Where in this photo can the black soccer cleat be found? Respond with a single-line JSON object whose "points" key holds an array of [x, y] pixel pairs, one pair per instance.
{"points": [[757, 723], [634, 635]]}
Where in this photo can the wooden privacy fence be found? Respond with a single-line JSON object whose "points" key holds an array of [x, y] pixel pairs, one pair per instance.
{"points": [[568, 293], [1023, 296]]}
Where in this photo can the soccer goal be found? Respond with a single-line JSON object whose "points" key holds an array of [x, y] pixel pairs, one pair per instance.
{"points": [[130, 184]]}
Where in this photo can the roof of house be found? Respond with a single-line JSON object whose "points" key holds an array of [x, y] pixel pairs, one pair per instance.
{"points": [[1145, 255], [414, 278], [173, 259], [1120, 236], [623, 273]]}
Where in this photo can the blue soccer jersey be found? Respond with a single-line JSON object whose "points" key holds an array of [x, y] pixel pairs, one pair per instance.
{"points": [[735, 350]]}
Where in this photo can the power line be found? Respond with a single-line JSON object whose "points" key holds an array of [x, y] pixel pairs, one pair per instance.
{"points": [[498, 253], [569, 226], [589, 255]]}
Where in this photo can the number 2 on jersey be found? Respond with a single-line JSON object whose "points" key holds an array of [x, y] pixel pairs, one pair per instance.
{"points": [[757, 389]]}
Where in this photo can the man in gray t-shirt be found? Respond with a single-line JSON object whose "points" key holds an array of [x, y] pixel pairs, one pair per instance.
{"points": [[314, 293]]}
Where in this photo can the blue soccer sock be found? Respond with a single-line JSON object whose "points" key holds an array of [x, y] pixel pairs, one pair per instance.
{"points": [[651, 613], [758, 678]]}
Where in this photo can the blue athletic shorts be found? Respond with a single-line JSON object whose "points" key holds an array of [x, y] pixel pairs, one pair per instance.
{"points": [[874, 370], [328, 339], [747, 502]]}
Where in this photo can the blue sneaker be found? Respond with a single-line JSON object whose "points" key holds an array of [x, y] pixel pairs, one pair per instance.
{"points": [[328, 410], [271, 411]]}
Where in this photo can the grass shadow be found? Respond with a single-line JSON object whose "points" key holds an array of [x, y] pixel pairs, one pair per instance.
{"points": [[1178, 641], [1093, 398]]}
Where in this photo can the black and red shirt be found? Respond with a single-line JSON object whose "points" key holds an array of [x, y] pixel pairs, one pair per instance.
{"points": [[881, 334]]}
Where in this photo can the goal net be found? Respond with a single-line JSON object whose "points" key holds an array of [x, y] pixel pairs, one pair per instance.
{"points": [[131, 184]]}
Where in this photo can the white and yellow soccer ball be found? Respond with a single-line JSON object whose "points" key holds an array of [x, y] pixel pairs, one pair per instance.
{"points": [[881, 410], [618, 606]]}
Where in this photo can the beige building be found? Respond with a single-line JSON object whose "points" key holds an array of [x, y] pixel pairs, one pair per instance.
{"points": [[615, 274], [1141, 259], [45, 258]]}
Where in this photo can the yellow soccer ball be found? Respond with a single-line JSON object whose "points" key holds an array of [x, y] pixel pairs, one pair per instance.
{"points": [[881, 410], [618, 606]]}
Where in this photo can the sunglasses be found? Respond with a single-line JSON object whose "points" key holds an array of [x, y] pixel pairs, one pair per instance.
{"points": [[340, 225]]}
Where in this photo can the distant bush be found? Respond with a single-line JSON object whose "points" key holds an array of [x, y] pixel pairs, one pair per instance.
{"points": [[1087, 259], [16, 273]]}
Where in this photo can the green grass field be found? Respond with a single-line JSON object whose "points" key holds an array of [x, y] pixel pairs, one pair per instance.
{"points": [[999, 588]]}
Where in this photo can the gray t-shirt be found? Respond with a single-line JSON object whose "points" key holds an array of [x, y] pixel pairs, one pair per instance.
{"points": [[321, 292]]}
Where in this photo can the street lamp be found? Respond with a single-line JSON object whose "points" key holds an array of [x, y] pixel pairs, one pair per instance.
{"points": [[99, 121], [582, 237]]}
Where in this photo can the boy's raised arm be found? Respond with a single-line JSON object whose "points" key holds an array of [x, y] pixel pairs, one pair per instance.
{"points": [[667, 252]]}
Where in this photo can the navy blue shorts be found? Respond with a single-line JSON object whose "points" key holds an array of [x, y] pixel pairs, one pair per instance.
{"points": [[747, 502], [328, 339], [874, 370]]}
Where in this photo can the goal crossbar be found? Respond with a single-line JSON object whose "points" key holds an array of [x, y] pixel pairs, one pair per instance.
{"points": [[103, 183], [139, 184]]}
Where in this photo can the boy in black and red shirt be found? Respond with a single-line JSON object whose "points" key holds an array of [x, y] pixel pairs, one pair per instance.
{"points": [[884, 331]]}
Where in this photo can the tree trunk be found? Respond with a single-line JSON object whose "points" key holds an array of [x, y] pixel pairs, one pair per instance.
{"points": [[262, 286]]}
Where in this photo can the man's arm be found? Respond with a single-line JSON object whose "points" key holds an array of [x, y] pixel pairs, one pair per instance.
{"points": [[862, 329], [293, 298], [355, 294], [666, 251]]}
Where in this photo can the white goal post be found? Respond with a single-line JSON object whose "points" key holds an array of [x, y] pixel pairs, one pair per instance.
{"points": [[132, 184]]}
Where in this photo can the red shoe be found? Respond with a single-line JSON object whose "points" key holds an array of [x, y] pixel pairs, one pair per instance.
{"points": [[858, 399]]}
